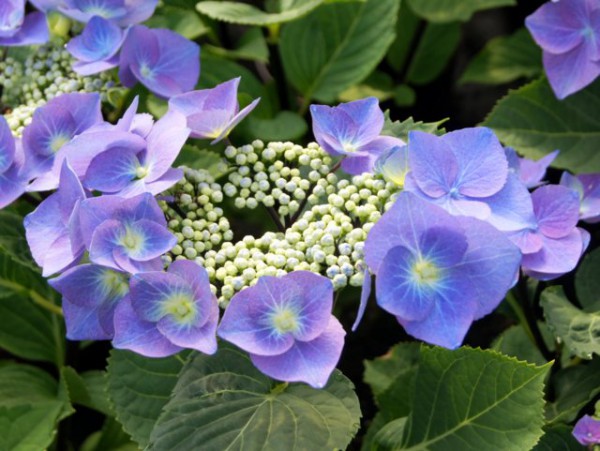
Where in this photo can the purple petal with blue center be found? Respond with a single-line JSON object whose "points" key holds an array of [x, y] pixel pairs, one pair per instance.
{"points": [[48, 228], [556, 208], [138, 335], [311, 362], [112, 171], [92, 292], [33, 31], [163, 61], [587, 430], [365, 157], [85, 10], [587, 187]]}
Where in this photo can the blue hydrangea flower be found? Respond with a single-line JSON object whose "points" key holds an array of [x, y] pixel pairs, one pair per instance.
{"points": [[90, 295], [13, 176], [96, 47], [554, 246], [437, 273], [167, 312], [287, 327], [466, 173], [393, 165], [569, 34], [17, 28], [352, 130], [122, 12], [162, 60], [587, 430], [125, 234], [212, 113], [51, 228], [530, 172], [587, 186], [54, 125]]}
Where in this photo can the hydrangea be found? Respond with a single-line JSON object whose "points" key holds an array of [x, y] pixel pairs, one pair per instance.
{"points": [[18, 28], [125, 234], [122, 12], [569, 34], [587, 186], [162, 60], [352, 130], [167, 312], [286, 326], [212, 113], [530, 172], [393, 165], [13, 176], [587, 430], [96, 47], [90, 295], [437, 273]]}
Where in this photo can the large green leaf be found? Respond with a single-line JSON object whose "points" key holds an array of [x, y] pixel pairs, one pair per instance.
{"points": [[505, 59], [26, 329], [183, 21], [515, 342], [337, 46], [242, 13], [535, 123], [381, 372], [587, 282], [435, 48], [451, 10], [574, 387], [558, 438], [223, 402], [406, 31], [470, 399], [579, 330], [138, 388], [251, 46], [285, 126], [31, 405], [401, 129], [87, 389]]}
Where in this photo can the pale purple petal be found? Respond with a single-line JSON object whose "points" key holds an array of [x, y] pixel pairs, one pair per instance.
{"points": [[239, 117], [365, 294], [7, 146], [532, 172], [556, 208], [557, 26], [563, 79], [393, 165], [557, 256], [587, 431], [34, 31], [165, 141], [84, 323], [100, 40], [112, 170], [512, 207]]}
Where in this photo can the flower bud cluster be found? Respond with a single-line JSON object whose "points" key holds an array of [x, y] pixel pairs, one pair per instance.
{"points": [[43, 75], [326, 238]]}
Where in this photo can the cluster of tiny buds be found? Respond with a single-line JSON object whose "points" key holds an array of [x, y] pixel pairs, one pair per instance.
{"points": [[44, 74], [327, 237]]}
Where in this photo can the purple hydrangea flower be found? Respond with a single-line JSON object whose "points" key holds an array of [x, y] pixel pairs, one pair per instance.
{"points": [[530, 172], [96, 47], [122, 12], [466, 173], [91, 294], [287, 327], [569, 34], [168, 311], [18, 29], [588, 188], [125, 234], [51, 230], [352, 130], [212, 113], [54, 125], [393, 165], [587, 430], [554, 246], [162, 60], [437, 273], [13, 179]]}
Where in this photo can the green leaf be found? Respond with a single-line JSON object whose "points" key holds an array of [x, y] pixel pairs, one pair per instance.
{"points": [[251, 46], [400, 129], [378, 84], [558, 438], [515, 342], [87, 389], [587, 282], [383, 371], [388, 437], [406, 30], [26, 330], [196, 158], [285, 126], [468, 399], [180, 20], [336, 46], [12, 240], [535, 123], [436, 47], [216, 70], [242, 13], [574, 387], [224, 402], [404, 96], [138, 388], [451, 10], [110, 438], [579, 330], [31, 405], [505, 59]]}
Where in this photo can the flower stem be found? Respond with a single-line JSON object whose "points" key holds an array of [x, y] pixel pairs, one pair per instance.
{"points": [[45, 303]]}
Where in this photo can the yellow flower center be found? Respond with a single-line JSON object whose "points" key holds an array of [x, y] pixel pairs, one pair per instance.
{"points": [[425, 272], [285, 320]]}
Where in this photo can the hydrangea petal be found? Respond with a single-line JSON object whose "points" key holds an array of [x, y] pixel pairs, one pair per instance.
{"points": [[239, 117], [84, 323], [365, 294], [200, 338], [165, 141], [587, 431], [532, 172], [556, 26], [34, 31], [100, 40], [112, 171], [556, 209], [306, 361], [563, 79], [150, 293], [7, 146], [557, 256]]}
